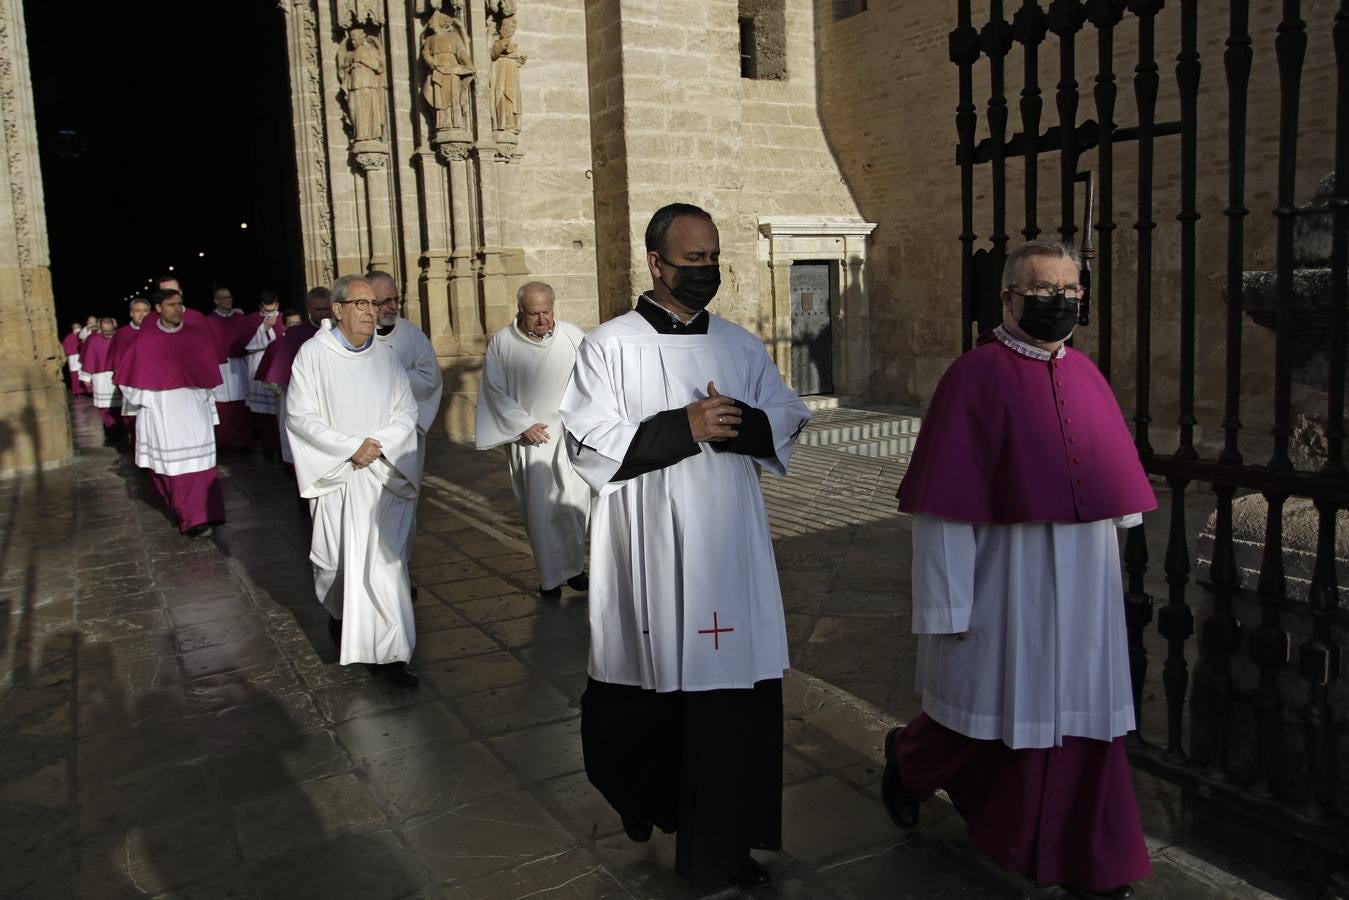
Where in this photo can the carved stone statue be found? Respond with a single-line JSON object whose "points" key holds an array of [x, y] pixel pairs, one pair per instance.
{"points": [[449, 71], [360, 65], [506, 62]]}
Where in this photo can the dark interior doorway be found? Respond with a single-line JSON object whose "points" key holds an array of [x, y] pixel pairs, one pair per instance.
{"points": [[812, 328], [163, 128]]}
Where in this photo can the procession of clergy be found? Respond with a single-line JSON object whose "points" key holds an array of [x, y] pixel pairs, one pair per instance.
{"points": [[654, 429]]}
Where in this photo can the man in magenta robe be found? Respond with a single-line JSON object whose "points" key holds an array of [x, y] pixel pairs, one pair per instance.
{"points": [[274, 369], [169, 374], [1023, 471], [70, 346], [138, 310], [96, 371], [235, 429]]}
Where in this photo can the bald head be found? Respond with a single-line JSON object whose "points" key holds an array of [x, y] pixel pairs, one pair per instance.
{"points": [[535, 303]]}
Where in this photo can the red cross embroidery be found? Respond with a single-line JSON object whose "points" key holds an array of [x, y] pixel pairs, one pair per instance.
{"points": [[716, 631]]}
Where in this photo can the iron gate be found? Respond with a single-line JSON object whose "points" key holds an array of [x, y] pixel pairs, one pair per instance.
{"points": [[1301, 710]]}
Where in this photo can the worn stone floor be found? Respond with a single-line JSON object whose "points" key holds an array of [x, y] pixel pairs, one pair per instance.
{"points": [[173, 722]]}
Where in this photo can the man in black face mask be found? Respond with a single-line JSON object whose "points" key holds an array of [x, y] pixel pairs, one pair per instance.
{"points": [[1023, 472], [670, 415]]}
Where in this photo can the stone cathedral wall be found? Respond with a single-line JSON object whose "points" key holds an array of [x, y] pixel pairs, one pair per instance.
{"points": [[627, 105]]}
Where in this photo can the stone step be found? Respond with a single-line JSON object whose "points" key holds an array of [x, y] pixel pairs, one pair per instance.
{"points": [[896, 448], [841, 426]]}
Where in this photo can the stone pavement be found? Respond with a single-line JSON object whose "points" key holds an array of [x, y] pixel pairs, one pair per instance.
{"points": [[173, 722]]}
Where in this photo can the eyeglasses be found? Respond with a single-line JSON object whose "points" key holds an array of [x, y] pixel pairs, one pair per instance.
{"points": [[1045, 292], [362, 305], [395, 300]]}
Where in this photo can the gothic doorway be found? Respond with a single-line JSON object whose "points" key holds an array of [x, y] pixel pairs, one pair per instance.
{"points": [[165, 140]]}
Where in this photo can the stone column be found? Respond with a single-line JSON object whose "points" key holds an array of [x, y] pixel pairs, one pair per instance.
{"points": [[464, 318], [374, 166], [311, 140], [34, 424], [434, 279]]}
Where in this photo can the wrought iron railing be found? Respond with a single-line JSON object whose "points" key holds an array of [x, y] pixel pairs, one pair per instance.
{"points": [[1284, 765]]}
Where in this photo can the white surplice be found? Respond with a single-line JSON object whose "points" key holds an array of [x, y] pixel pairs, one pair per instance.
{"points": [[338, 397], [175, 429], [1046, 656], [233, 371], [260, 398], [684, 590], [418, 356], [523, 380]]}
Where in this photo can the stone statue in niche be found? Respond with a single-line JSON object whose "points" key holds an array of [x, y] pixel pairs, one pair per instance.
{"points": [[506, 62], [449, 71], [360, 66]]}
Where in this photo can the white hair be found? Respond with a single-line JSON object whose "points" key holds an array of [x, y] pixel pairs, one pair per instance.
{"points": [[532, 286], [342, 286]]}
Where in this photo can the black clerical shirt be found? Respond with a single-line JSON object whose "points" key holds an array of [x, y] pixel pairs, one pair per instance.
{"points": [[666, 438]]}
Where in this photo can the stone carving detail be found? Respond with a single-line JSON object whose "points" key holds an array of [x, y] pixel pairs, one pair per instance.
{"points": [[360, 66], [309, 101], [449, 73], [9, 102], [506, 62], [372, 160], [448, 151], [450, 7], [352, 13]]}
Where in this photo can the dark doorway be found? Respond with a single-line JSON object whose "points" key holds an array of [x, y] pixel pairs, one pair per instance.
{"points": [[812, 328], [164, 129]]}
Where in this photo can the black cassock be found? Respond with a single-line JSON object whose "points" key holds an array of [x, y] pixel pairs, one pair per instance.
{"points": [[706, 765]]}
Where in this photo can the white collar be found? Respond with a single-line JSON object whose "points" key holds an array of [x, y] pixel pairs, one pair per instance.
{"points": [[529, 338], [1012, 342], [160, 323]]}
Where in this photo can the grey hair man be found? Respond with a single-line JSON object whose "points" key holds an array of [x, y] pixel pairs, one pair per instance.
{"points": [[524, 375], [352, 424], [414, 351]]}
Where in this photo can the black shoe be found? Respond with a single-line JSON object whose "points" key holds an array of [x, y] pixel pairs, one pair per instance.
{"points": [[414, 594], [200, 531], [638, 829], [1122, 892], [751, 874], [579, 583], [550, 593], [902, 808], [335, 630], [399, 673]]}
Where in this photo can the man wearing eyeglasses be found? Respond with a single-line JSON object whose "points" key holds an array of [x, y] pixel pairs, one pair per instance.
{"points": [[414, 351], [1023, 470], [352, 424]]}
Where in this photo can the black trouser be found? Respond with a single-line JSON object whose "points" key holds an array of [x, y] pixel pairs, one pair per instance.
{"points": [[704, 764]]}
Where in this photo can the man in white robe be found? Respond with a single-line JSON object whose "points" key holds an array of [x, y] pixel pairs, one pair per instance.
{"points": [[414, 351], [262, 328], [352, 423], [671, 415], [1022, 472], [527, 367]]}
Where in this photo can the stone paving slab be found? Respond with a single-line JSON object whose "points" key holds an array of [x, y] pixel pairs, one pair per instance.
{"points": [[173, 722]]}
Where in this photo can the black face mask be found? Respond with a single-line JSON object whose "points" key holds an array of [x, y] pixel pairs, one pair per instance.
{"points": [[696, 285], [1048, 320]]}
